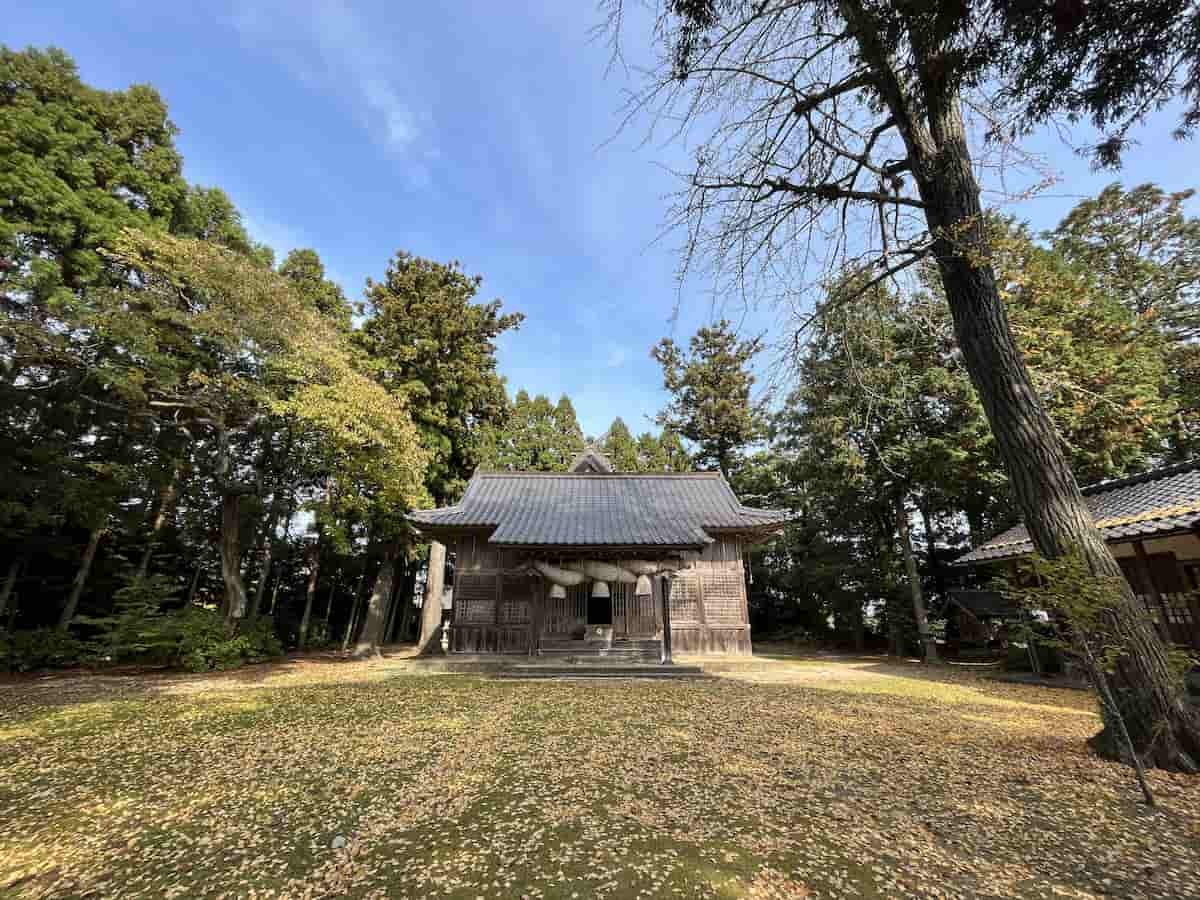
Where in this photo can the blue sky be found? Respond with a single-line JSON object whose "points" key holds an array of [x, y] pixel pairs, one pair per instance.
{"points": [[475, 131]]}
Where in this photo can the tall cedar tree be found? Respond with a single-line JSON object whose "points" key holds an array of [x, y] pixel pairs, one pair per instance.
{"points": [[534, 436], [620, 447], [710, 386], [849, 114], [1143, 252], [429, 340]]}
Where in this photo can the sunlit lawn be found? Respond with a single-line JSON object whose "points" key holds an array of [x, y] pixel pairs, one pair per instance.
{"points": [[787, 778]]}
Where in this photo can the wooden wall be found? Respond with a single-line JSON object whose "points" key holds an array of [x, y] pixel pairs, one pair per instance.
{"points": [[498, 611], [709, 612], [493, 608]]}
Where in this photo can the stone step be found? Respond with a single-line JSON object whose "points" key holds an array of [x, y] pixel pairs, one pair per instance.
{"points": [[631, 655], [584, 646], [581, 670]]}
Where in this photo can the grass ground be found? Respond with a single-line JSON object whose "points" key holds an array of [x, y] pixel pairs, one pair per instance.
{"points": [[782, 778]]}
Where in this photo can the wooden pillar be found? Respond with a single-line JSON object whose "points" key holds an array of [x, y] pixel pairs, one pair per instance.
{"points": [[1143, 561], [666, 609], [536, 594]]}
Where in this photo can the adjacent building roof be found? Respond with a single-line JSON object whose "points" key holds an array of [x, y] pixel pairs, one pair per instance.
{"points": [[600, 510], [1154, 504], [590, 459], [986, 604]]}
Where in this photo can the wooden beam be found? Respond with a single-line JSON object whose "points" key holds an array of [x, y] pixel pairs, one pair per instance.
{"points": [[666, 608], [536, 593]]}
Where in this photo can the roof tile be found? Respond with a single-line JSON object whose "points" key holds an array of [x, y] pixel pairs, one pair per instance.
{"points": [[600, 509], [1161, 501]]}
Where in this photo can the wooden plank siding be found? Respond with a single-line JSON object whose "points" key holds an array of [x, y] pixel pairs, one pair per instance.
{"points": [[500, 610], [709, 612], [1162, 584]]}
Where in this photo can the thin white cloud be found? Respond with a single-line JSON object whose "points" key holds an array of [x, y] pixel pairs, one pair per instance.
{"points": [[326, 44], [617, 356]]}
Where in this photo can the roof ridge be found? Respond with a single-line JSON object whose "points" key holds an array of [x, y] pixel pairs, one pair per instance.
{"points": [[1103, 487], [612, 475]]}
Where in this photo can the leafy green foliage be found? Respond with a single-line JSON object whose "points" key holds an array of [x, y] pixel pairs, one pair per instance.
{"points": [[40, 648], [430, 342], [143, 628], [534, 436], [1140, 249], [620, 447]]}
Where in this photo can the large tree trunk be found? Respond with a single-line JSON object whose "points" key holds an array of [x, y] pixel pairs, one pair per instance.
{"points": [[80, 579], [377, 606], [234, 604], [1150, 696], [914, 583], [431, 604], [166, 497], [310, 592]]}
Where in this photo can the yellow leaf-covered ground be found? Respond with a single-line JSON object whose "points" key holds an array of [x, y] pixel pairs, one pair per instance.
{"points": [[782, 778]]}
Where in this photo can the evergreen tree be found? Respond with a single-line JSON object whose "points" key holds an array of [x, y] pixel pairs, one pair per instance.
{"points": [[307, 273], [651, 456], [567, 431], [620, 448], [1142, 251], [429, 340], [710, 386]]}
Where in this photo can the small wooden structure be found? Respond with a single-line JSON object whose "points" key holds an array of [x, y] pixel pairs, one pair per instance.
{"points": [[596, 563], [1151, 523]]}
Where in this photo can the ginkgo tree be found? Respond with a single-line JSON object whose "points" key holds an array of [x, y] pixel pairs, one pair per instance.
{"points": [[216, 343]]}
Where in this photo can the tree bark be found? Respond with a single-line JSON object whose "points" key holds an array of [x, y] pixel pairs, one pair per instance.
{"points": [[310, 592], [80, 579], [166, 498], [234, 604], [914, 583], [1150, 697], [431, 605], [377, 606], [10, 581]]}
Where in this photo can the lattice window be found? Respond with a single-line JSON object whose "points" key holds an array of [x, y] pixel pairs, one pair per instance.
{"points": [[723, 597], [685, 598], [514, 600], [1178, 611], [475, 599]]}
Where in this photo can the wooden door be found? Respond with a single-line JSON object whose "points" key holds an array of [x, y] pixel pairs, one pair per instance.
{"points": [[632, 616], [566, 615]]}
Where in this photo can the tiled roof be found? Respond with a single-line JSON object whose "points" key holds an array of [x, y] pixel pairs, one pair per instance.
{"points": [[1159, 502], [593, 510], [985, 604]]}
